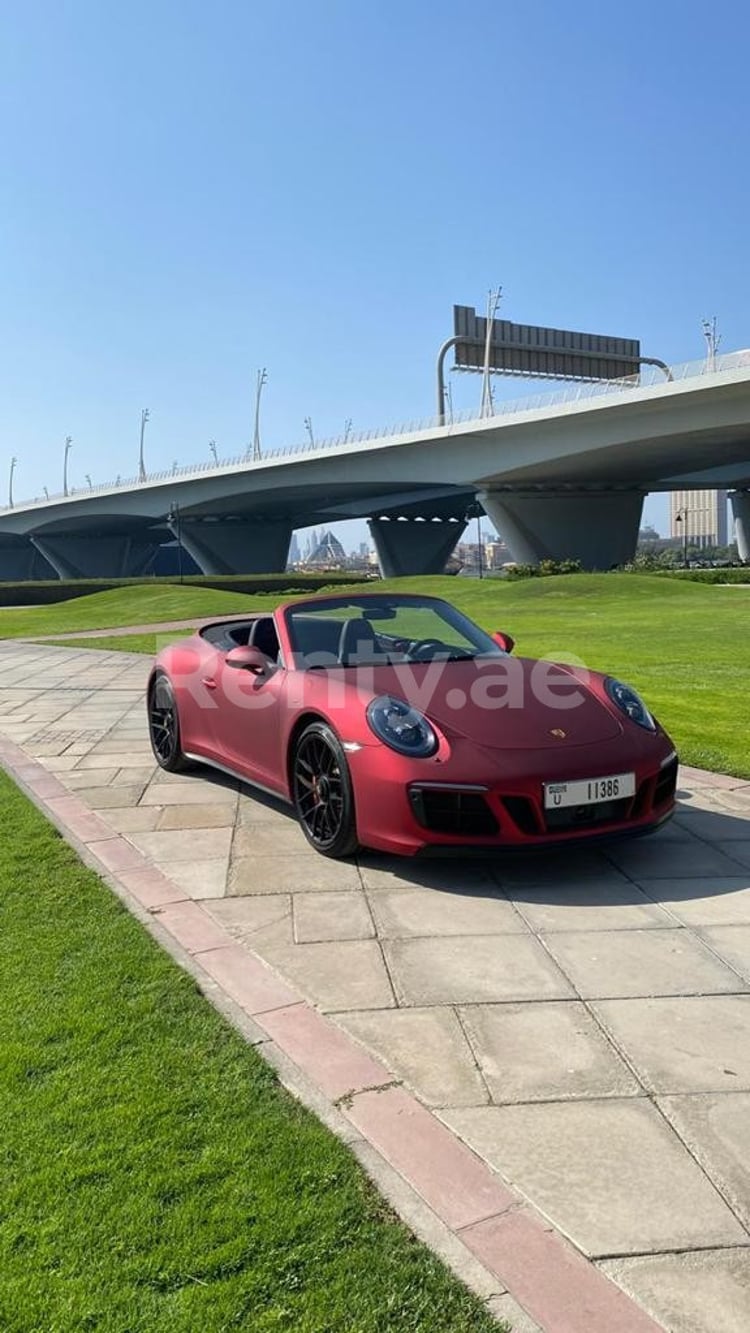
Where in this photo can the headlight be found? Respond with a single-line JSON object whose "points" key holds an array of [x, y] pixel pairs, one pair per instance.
{"points": [[630, 702], [401, 727]]}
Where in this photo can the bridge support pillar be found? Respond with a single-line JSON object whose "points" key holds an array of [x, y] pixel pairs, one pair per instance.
{"points": [[741, 511], [235, 546], [92, 556], [598, 528], [20, 561], [414, 546]]}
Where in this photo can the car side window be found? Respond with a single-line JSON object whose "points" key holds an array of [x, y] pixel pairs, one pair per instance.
{"points": [[238, 636]]}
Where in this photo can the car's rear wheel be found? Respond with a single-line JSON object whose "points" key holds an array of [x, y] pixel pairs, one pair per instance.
{"points": [[164, 726], [322, 792]]}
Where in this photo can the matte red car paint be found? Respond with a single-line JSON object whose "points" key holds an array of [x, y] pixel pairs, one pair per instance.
{"points": [[508, 743]]}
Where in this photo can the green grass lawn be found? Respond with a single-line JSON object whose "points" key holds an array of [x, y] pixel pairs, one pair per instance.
{"points": [[154, 1176], [686, 645], [142, 604]]}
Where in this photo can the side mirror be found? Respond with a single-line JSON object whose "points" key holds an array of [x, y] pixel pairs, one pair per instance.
{"points": [[504, 641], [246, 658]]}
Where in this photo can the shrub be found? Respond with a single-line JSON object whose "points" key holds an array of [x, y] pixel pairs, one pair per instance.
{"points": [[545, 569]]}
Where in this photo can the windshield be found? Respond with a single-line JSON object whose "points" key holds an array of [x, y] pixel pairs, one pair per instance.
{"points": [[383, 630]]}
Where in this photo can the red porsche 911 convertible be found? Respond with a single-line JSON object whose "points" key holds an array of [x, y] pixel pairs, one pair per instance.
{"points": [[394, 722]]}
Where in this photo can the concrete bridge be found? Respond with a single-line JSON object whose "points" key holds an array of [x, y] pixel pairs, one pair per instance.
{"points": [[561, 474]]}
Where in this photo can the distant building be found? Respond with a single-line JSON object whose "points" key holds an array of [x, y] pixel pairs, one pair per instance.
{"points": [[294, 552], [496, 554], [490, 554], [328, 551], [702, 514]]}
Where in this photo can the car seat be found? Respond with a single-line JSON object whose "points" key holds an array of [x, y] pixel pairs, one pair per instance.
{"points": [[358, 642]]}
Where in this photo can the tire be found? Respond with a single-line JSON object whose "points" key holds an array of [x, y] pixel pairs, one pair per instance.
{"points": [[322, 792], [164, 726]]}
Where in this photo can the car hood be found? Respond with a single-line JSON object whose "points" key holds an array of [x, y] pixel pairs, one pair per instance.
{"points": [[502, 703]]}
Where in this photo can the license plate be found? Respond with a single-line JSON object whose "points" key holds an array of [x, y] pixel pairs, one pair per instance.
{"points": [[591, 791]]}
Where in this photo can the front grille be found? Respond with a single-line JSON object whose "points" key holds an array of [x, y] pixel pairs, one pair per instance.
{"points": [[452, 811], [666, 784], [582, 816]]}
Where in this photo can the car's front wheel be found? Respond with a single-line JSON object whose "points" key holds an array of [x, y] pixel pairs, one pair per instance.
{"points": [[322, 791], [164, 726]]}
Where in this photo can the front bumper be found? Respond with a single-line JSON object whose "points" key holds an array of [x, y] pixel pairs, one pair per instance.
{"points": [[408, 811]]}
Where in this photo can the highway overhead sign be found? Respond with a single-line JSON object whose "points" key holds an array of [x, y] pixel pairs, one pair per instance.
{"points": [[534, 351]]}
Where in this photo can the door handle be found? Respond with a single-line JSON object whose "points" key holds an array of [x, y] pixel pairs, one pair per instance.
{"points": [[209, 682]]}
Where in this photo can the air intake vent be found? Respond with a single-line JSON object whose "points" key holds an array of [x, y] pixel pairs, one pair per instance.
{"points": [[521, 811], [667, 783], [452, 811]]}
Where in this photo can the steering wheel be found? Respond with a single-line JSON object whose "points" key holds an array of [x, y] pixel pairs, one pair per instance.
{"points": [[423, 650]]}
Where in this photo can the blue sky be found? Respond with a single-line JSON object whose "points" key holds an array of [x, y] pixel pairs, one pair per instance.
{"points": [[191, 191]]}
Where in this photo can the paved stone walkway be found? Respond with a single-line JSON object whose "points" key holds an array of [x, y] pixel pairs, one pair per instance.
{"points": [[581, 1022]]}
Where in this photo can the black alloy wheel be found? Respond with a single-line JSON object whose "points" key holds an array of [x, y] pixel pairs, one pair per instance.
{"points": [[322, 792], [164, 726]]}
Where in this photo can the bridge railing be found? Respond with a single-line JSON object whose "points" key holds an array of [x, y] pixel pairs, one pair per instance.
{"points": [[570, 395]]}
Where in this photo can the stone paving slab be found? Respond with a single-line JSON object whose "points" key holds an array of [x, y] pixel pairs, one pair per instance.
{"points": [[338, 975], [716, 1128], [697, 1292], [713, 825], [711, 902], [332, 916], [588, 906], [618, 963], [685, 1043], [208, 816], [610, 1174], [167, 848], [540, 1052], [251, 920], [199, 879], [741, 852], [664, 859], [426, 1048], [305, 873], [453, 876], [411, 913], [471, 969], [462, 981]]}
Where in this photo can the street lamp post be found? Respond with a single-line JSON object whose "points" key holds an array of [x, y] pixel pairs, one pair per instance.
{"points": [[68, 444], [212, 447], [493, 300], [681, 518], [141, 460], [347, 429], [261, 379], [174, 523], [309, 429], [13, 462], [475, 511]]}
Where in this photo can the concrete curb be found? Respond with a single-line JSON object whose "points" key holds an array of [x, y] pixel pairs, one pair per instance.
{"points": [[499, 1245]]}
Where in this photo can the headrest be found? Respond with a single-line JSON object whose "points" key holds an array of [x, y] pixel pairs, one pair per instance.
{"points": [[357, 641]]}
